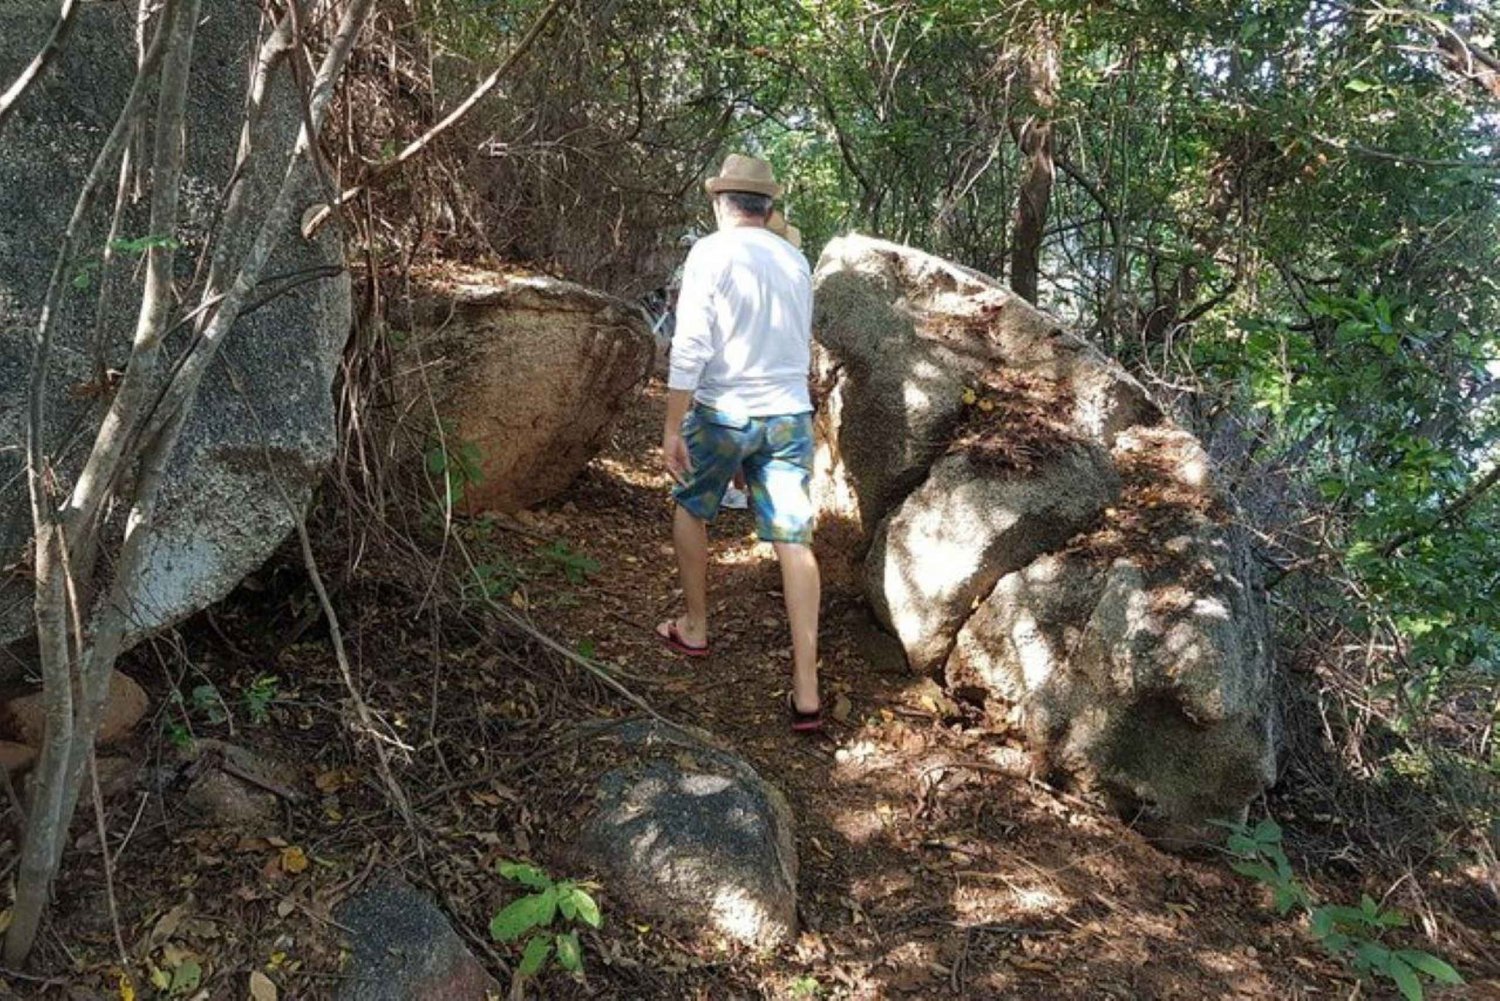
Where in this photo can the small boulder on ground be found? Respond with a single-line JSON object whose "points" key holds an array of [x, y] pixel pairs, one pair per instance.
{"points": [[16, 758], [526, 374], [689, 835], [24, 718], [404, 949], [233, 787]]}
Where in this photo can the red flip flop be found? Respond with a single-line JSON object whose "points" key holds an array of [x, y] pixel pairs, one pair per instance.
{"points": [[803, 722], [674, 641]]}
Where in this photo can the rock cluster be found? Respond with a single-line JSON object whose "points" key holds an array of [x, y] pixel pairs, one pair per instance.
{"points": [[1033, 528]]}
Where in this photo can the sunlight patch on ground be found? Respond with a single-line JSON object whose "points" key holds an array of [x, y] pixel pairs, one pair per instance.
{"points": [[743, 553], [630, 473]]}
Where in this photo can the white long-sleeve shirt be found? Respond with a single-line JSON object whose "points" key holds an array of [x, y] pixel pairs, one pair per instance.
{"points": [[743, 342]]}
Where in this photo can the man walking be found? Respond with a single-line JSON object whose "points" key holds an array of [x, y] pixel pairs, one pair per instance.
{"points": [[738, 397]]}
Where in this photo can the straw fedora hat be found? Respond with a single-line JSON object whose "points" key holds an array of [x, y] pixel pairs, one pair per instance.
{"points": [[744, 173], [778, 225]]}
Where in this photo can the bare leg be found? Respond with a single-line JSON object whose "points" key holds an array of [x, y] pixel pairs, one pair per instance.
{"points": [[801, 586], [690, 539]]}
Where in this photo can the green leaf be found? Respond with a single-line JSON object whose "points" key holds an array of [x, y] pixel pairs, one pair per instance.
{"points": [[569, 955], [588, 909], [1359, 86], [1322, 922], [520, 916], [1430, 965], [186, 977], [1411, 987], [1257, 871], [526, 875], [1373, 955], [1241, 845], [1392, 919], [535, 957], [1267, 832]]}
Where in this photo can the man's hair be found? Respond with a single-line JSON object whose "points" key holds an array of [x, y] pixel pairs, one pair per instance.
{"points": [[748, 203]]}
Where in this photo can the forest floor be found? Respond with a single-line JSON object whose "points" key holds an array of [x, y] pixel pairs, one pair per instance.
{"points": [[927, 870]]}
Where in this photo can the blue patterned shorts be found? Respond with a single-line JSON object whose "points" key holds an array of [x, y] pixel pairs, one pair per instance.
{"points": [[777, 456]]}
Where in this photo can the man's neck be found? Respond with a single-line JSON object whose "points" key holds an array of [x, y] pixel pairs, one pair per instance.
{"points": [[742, 222]]}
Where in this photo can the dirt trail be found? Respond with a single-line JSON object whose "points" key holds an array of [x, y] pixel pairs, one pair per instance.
{"points": [[926, 870]]}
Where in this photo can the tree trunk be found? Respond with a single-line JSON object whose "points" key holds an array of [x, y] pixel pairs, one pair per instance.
{"points": [[1034, 136]]}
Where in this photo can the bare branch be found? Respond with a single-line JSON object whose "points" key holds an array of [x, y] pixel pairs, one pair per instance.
{"points": [[1449, 511], [46, 824], [38, 65], [312, 225]]}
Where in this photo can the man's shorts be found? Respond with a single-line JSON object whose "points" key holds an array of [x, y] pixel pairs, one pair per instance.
{"points": [[777, 456]]}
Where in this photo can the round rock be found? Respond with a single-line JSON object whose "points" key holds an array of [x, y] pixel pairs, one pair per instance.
{"points": [[690, 835]]}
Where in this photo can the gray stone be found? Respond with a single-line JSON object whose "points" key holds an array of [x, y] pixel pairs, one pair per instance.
{"points": [[1056, 544], [1021, 636], [690, 835], [1168, 699], [529, 373], [219, 515], [962, 530], [404, 949], [219, 795], [899, 335]]}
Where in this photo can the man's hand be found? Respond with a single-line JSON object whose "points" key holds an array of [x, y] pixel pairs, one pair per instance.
{"points": [[674, 452]]}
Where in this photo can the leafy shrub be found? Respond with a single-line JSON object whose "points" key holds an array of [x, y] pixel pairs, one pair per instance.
{"points": [[1353, 934], [535, 914]]}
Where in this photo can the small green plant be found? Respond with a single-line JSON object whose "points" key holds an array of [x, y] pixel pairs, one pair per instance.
{"points": [[587, 648], [1353, 934], [456, 462], [577, 567], [208, 703], [137, 246], [494, 579], [178, 735], [535, 913], [259, 696], [806, 987]]}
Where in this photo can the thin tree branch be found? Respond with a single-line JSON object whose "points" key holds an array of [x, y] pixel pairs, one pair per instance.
{"points": [[66, 18], [43, 832], [312, 224], [1449, 511]]}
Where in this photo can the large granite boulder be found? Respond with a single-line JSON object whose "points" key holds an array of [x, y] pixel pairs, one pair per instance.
{"points": [[526, 374], [1028, 523], [688, 834], [219, 515]]}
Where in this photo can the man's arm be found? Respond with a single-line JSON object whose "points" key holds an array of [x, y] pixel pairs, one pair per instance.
{"points": [[692, 347], [673, 448]]}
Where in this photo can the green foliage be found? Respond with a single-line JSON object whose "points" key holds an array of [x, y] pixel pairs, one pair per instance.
{"points": [[134, 247], [533, 915], [178, 735], [494, 579], [454, 463], [259, 696], [576, 567], [1353, 934], [806, 987], [206, 702]]}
